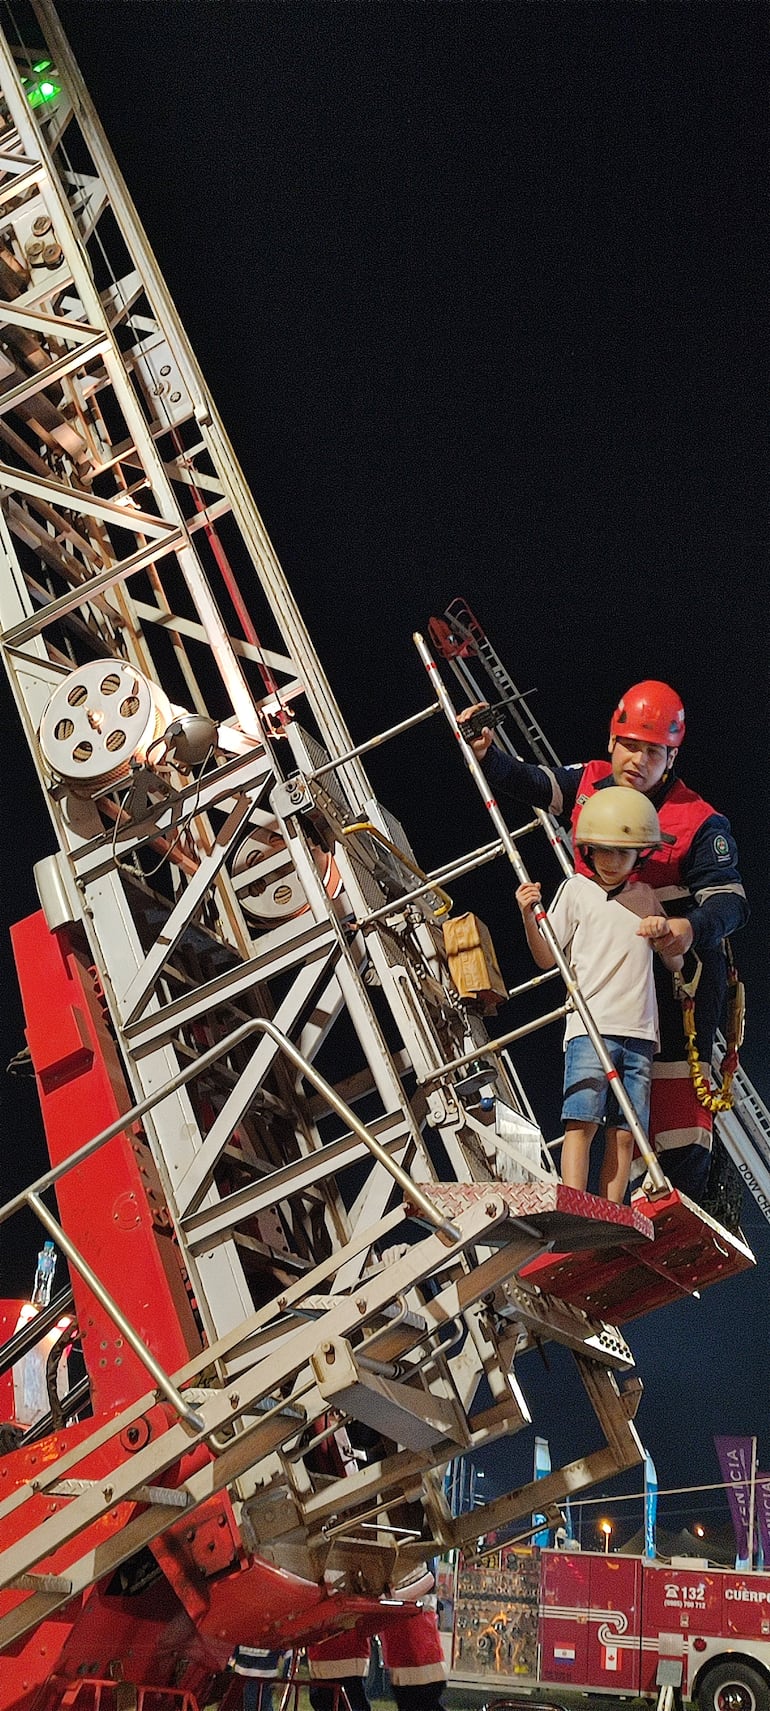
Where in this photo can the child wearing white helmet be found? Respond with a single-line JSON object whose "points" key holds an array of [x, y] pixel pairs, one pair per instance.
{"points": [[608, 925]]}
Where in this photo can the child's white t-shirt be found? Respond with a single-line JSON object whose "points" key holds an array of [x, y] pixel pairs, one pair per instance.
{"points": [[613, 965]]}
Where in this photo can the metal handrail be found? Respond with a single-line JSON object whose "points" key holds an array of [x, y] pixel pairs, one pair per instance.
{"points": [[30, 1197]]}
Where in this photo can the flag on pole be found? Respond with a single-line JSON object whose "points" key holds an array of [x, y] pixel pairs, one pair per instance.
{"points": [[567, 1511], [763, 1515], [650, 1504], [736, 1456], [542, 1467]]}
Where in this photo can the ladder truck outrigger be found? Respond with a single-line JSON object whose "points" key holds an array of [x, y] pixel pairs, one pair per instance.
{"points": [[264, 1085]]}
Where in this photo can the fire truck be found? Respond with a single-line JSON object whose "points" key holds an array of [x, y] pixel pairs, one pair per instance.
{"points": [[614, 1624], [311, 1225]]}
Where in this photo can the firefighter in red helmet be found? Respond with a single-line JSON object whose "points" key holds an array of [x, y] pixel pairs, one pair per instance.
{"points": [[650, 711], [696, 878]]}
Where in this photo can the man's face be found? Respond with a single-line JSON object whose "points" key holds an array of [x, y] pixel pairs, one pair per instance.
{"points": [[637, 765]]}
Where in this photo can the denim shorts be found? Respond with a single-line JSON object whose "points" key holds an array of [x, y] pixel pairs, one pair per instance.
{"points": [[588, 1095]]}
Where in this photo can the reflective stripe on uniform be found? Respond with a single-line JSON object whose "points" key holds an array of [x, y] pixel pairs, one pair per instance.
{"points": [[557, 796], [412, 1650], [715, 891], [416, 1675], [331, 1669]]}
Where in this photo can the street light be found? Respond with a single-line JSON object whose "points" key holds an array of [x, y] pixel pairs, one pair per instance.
{"points": [[605, 1527], [699, 1531]]}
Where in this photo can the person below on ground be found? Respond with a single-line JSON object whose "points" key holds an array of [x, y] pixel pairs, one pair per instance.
{"points": [[259, 1669]]}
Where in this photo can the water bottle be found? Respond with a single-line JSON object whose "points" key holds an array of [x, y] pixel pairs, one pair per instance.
{"points": [[46, 1266]]}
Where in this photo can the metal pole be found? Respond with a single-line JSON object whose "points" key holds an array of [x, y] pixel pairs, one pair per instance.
{"points": [[374, 742], [752, 1501], [445, 875], [258, 1024], [660, 1184], [492, 1048]]}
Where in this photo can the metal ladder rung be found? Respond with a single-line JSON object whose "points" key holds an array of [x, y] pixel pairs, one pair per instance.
{"points": [[40, 1583], [168, 1496]]}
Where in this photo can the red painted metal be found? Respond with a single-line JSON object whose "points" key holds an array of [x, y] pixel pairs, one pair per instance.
{"points": [[590, 1615], [111, 1206], [171, 1618], [204, 1594], [606, 1620], [689, 1252]]}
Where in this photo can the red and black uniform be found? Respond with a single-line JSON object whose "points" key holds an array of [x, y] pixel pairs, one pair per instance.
{"points": [[412, 1655], [696, 877]]}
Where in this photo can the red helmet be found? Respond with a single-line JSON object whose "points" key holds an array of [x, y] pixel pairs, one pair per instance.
{"points": [[651, 713]]}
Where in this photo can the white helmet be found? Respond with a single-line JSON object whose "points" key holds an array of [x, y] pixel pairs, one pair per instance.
{"points": [[618, 818]]}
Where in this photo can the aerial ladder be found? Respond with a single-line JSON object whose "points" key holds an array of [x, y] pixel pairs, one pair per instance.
{"points": [[281, 1166]]}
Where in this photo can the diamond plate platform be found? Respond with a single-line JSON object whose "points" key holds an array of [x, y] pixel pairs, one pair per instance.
{"points": [[563, 1215], [690, 1251]]}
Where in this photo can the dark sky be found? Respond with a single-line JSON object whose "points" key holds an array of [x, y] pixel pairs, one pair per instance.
{"points": [[480, 290]]}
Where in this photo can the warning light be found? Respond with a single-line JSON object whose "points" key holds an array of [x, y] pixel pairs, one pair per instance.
{"points": [[41, 92]]}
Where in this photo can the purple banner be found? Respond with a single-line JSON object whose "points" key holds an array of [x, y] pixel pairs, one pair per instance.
{"points": [[763, 1514], [735, 1461]]}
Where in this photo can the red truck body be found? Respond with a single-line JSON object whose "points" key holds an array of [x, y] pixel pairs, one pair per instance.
{"points": [[603, 1622]]}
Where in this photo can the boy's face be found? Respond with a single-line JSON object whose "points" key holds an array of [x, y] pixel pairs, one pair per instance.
{"points": [[612, 866], [637, 765]]}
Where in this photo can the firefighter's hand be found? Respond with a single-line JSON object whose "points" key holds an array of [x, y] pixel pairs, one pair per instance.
{"points": [[528, 895], [671, 935], [480, 744]]}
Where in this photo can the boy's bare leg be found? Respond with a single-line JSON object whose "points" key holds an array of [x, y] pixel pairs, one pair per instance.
{"points": [[616, 1165], [575, 1153]]}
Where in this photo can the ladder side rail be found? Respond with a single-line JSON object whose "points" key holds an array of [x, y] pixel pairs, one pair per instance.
{"points": [[750, 1162], [470, 629], [107, 952], [558, 837], [159, 484]]}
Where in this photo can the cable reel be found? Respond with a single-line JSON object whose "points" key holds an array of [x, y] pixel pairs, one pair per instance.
{"points": [[100, 719], [276, 894]]}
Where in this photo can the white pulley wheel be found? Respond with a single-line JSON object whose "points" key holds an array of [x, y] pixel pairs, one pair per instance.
{"points": [[98, 720], [278, 895]]}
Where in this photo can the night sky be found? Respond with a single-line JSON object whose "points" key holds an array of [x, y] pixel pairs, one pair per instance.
{"points": [[480, 290]]}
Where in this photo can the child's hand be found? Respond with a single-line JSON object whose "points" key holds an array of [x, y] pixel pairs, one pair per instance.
{"points": [[653, 927], [528, 894], [665, 938]]}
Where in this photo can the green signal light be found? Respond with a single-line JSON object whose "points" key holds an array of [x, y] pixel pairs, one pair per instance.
{"points": [[42, 65], [42, 92]]}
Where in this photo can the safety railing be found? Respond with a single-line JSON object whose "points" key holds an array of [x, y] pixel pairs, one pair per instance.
{"points": [[30, 1198]]}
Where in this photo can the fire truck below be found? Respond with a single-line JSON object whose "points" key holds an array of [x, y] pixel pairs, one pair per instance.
{"points": [[599, 1623]]}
